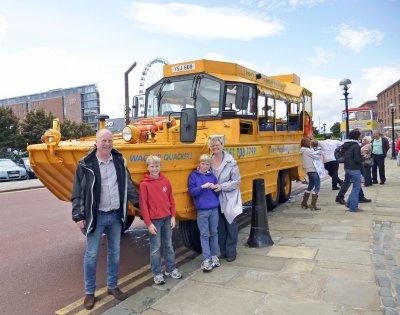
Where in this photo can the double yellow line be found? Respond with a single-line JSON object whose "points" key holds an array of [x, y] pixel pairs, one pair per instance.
{"points": [[76, 307]]}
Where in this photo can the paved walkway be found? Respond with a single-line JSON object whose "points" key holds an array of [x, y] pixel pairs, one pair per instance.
{"points": [[325, 262]]}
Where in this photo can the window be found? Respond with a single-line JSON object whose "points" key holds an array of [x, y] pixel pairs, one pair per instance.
{"points": [[295, 118], [207, 101], [239, 100], [195, 92], [266, 109], [281, 115], [307, 103]]}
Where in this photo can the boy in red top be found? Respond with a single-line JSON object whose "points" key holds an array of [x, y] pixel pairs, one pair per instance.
{"points": [[158, 209]]}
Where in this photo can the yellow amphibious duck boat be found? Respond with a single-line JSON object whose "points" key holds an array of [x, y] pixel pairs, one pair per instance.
{"points": [[262, 118]]}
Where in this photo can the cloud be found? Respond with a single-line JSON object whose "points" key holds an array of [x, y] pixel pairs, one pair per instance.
{"points": [[3, 29], [327, 95], [215, 56], [188, 20], [281, 4], [379, 78], [307, 3], [322, 57], [356, 39], [327, 106], [39, 69]]}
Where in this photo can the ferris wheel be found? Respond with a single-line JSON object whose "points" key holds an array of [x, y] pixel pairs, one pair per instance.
{"points": [[152, 72]]}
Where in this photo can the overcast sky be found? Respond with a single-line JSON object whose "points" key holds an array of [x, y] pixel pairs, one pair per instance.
{"points": [[46, 45]]}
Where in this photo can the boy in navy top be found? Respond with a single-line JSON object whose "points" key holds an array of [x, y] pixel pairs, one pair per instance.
{"points": [[201, 188]]}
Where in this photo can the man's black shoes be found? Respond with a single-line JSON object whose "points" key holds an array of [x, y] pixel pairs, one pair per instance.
{"points": [[335, 188], [117, 293], [364, 200], [340, 200]]}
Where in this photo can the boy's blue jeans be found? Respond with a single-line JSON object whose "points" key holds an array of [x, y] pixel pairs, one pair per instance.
{"points": [[163, 239], [207, 221], [110, 224]]}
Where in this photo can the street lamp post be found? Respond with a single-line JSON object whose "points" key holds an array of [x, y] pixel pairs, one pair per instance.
{"points": [[345, 84], [392, 109]]}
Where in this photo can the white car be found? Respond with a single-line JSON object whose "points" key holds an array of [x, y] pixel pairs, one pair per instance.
{"points": [[11, 171]]}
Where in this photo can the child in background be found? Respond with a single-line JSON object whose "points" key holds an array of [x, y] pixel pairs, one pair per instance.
{"points": [[158, 209], [201, 188]]}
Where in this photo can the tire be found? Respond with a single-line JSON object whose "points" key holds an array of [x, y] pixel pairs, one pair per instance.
{"points": [[273, 198], [285, 186], [190, 235], [128, 223]]}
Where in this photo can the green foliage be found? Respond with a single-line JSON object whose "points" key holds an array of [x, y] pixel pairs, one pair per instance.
{"points": [[72, 130], [315, 131], [9, 130], [319, 136], [35, 124], [335, 129]]}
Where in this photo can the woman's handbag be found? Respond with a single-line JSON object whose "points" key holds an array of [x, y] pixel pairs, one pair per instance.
{"points": [[319, 166], [368, 161]]}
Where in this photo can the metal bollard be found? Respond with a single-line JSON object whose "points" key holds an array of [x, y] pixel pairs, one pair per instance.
{"points": [[259, 232]]}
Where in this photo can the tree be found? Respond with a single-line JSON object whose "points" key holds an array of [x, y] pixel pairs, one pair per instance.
{"points": [[72, 130], [10, 136], [35, 124], [335, 129], [315, 131]]}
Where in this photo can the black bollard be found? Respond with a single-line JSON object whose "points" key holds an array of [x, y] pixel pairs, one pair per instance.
{"points": [[259, 232]]}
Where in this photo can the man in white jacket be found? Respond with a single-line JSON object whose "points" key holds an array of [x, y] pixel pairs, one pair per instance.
{"points": [[328, 147]]}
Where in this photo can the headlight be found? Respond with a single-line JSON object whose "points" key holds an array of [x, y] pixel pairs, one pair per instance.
{"points": [[130, 134], [127, 134], [3, 174]]}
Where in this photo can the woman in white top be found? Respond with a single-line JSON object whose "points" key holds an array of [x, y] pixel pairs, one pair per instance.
{"points": [[226, 171]]}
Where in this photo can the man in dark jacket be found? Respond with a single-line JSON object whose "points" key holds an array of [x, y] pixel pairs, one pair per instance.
{"points": [[380, 147], [102, 188], [352, 168]]}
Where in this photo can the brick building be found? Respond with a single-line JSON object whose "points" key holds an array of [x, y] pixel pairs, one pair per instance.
{"points": [[390, 95], [79, 104]]}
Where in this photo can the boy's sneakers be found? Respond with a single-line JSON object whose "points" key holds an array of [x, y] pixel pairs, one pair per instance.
{"points": [[159, 279], [215, 261], [206, 265], [176, 274]]}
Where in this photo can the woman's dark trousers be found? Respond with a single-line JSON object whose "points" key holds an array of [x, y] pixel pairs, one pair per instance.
{"points": [[227, 237]]}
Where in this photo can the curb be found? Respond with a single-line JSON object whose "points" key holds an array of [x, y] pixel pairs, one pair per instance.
{"points": [[21, 189]]}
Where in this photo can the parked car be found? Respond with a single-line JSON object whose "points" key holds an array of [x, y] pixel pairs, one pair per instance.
{"points": [[24, 162], [10, 171]]}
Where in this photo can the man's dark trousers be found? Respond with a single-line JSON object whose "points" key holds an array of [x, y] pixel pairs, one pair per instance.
{"points": [[379, 163], [332, 167]]}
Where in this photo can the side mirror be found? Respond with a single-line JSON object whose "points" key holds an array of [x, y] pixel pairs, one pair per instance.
{"points": [[188, 126]]}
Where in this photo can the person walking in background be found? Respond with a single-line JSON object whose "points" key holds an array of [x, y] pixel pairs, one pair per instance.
{"points": [[398, 150], [158, 209], [352, 168], [380, 147], [226, 170], [366, 153], [201, 186], [328, 147], [308, 156], [100, 194]]}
